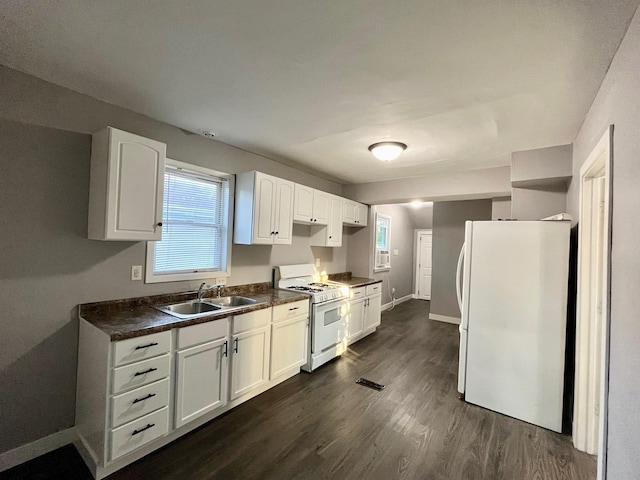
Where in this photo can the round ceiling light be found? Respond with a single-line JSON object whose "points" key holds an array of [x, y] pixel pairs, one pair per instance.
{"points": [[208, 133], [387, 151]]}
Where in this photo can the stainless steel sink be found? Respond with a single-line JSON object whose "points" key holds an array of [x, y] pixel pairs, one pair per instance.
{"points": [[232, 301], [206, 306], [190, 309]]}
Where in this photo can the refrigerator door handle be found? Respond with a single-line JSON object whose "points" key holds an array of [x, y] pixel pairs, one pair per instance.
{"points": [[459, 278]]}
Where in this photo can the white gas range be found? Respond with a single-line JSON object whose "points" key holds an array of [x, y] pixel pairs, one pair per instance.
{"points": [[329, 311]]}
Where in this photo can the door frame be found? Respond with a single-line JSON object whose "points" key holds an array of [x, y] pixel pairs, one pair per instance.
{"points": [[591, 337], [416, 255]]}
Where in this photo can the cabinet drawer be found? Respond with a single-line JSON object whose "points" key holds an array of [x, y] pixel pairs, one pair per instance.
{"points": [[358, 292], [141, 348], [202, 333], [290, 310], [251, 320], [140, 373], [131, 405], [138, 433], [373, 289]]}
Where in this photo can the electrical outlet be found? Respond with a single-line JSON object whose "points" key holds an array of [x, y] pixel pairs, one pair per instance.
{"points": [[318, 262], [221, 281], [395, 251], [136, 272]]}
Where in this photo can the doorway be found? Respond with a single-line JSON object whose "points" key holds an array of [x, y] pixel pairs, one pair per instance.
{"points": [[592, 303], [423, 264]]}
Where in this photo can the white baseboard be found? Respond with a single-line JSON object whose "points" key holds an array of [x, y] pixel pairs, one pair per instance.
{"points": [[415, 295], [27, 452], [444, 318], [400, 300]]}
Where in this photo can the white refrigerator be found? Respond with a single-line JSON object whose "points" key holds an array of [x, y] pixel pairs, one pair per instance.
{"points": [[512, 291]]}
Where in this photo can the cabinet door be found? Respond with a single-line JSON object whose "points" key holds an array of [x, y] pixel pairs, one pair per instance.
{"points": [[202, 379], [127, 185], [372, 311], [334, 229], [321, 207], [249, 361], [303, 204], [362, 214], [283, 225], [264, 208], [289, 341], [355, 323]]}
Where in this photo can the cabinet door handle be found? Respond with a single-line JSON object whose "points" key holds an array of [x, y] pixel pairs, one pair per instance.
{"points": [[149, 425], [144, 372], [159, 224], [277, 233], [144, 398], [153, 344], [235, 347], [225, 352], [294, 308]]}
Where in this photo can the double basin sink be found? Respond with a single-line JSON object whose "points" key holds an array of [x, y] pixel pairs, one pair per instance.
{"points": [[206, 306]]}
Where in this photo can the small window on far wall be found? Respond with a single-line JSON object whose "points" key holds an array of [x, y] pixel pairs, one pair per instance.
{"points": [[196, 228], [383, 248]]}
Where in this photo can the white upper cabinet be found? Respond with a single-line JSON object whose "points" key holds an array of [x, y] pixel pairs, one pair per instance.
{"points": [[311, 206], [264, 208], [355, 214], [329, 235], [126, 189]]}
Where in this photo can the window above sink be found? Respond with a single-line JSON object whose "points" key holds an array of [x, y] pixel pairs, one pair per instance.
{"points": [[196, 225]]}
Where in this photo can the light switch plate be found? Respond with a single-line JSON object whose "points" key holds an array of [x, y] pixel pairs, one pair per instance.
{"points": [[395, 251], [136, 272], [317, 262]]}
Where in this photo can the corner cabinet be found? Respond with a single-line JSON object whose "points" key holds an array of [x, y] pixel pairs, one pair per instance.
{"points": [[355, 214], [263, 210], [126, 186]]}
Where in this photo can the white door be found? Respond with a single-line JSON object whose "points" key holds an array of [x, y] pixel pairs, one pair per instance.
{"points": [[423, 266], [264, 209], [372, 311], [355, 324], [335, 222], [321, 207], [201, 380], [136, 187], [288, 345], [283, 224], [249, 361], [303, 204]]}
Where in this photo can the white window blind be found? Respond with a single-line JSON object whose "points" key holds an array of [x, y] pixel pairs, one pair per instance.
{"points": [[192, 225]]}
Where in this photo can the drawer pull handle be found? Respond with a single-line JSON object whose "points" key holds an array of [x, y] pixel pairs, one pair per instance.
{"points": [[149, 425], [144, 398], [153, 344], [225, 353], [294, 308], [145, 372]]}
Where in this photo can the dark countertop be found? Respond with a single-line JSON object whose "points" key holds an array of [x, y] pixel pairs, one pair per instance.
{"points": [[122, 319], [353, 282]]}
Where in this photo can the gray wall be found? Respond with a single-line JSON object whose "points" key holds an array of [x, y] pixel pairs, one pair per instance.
{"points": [[448, 237], [537, 203], [422, 216], [618, 103], [401, 274], [50, 266], [500, 208]]}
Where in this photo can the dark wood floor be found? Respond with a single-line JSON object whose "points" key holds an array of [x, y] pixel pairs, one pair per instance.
{"points": [[325, 426]]}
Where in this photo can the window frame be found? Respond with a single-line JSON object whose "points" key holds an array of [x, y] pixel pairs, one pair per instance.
{"points": [[227, 207], [385, 268]]}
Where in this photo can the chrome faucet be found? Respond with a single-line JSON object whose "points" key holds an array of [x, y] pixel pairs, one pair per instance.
{"points": [[204, 288]]}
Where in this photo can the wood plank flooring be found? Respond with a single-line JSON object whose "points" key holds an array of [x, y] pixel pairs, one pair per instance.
{"points": [[325, 426]]}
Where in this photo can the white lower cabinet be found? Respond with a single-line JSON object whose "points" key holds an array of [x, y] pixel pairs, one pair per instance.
{"points": [[364, 311], [134, 394], [249, 352], [201, 380]]}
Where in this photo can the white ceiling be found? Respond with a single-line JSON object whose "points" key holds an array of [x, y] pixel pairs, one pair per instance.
{"points": [[463, 83]]}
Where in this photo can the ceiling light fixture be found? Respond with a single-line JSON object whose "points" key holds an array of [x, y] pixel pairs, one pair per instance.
{"points": [[386, 151], [208, 133]]}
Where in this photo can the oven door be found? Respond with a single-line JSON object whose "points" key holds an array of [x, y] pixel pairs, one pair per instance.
{"points": [[329, 324]]}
